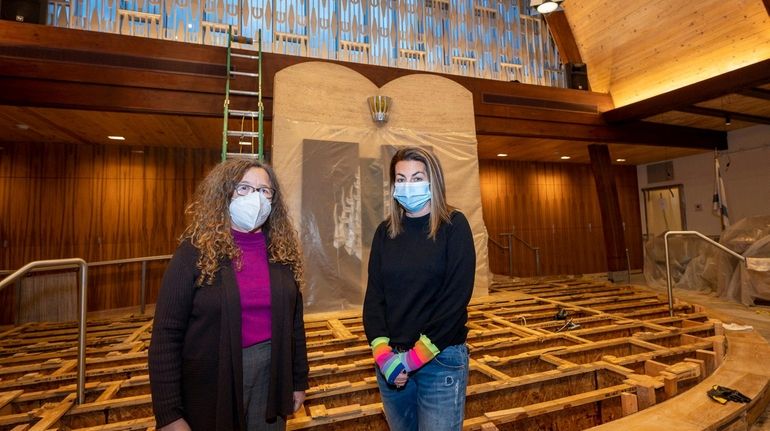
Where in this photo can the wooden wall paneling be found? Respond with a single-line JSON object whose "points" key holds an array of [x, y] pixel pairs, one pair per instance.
{"points": [[561, 219], [551, 205], [99, 203]]}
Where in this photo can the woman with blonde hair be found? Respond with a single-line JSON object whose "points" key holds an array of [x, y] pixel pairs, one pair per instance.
{"points": [[421, 272], [228, 342]]}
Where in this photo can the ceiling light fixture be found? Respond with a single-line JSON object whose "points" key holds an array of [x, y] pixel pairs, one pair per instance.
{"points": [[620, 160], [22, 126], [116, 138], [565, 157], [502, 155], [545, 6]]}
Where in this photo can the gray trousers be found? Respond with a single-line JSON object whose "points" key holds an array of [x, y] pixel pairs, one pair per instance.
{"points": [[256, 378]]}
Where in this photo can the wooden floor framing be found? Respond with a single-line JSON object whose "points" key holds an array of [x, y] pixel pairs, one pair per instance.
{"points": [[559, 354]]}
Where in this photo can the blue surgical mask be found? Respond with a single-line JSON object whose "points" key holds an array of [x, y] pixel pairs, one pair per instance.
{"points": [[412, 196], [249, 212]]}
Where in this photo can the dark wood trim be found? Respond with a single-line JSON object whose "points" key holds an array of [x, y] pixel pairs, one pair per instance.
{"points": [[767, 6], [164, 77], [501, 99], [609, 206], [718, 113], [757, 93], [70, 95], [643, 133], [563, 36], [730, 82]]}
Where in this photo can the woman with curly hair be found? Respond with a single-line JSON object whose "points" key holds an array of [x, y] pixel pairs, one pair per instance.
{"points": [[228, 343]]}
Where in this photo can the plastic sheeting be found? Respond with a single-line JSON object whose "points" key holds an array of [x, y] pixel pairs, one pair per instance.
{"points": [[697, 265], [332, 161]]}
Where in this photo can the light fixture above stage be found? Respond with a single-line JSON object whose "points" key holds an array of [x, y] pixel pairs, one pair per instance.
{"points": [[545, 6], [379, 107]]}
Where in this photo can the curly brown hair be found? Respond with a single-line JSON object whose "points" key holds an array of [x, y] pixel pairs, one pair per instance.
{"points": [[209, 229]]}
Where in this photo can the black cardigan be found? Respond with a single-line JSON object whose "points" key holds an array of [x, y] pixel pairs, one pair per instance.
{"points": [[195, 361]]}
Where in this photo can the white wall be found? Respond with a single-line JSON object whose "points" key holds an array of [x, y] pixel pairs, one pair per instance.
{"points": [[747, 180]]}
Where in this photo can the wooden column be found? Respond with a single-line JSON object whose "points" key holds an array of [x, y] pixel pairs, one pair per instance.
{"points": [[607, 192]]}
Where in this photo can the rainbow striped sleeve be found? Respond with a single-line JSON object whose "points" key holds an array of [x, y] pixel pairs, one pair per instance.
{"points": [[389, 363], [422, 353]]}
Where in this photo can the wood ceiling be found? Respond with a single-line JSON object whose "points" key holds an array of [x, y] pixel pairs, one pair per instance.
{"points": [[660, 63]]}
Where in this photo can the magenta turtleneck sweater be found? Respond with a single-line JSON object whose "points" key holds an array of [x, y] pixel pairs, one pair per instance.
{"points": [[254, 285]]}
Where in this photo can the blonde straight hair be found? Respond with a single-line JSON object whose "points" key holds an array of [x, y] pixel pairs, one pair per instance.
{"points": [[440, 211]]}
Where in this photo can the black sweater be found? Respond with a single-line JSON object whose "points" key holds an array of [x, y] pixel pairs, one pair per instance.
{"points": [[419, 285]]}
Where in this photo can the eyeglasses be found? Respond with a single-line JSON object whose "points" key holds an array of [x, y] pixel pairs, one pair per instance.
{"points": [[244, 189]]}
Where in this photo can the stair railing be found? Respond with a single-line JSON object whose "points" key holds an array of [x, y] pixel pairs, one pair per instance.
{"points": [[82, 290], [536, 250], [57, 264], [668, 261]]}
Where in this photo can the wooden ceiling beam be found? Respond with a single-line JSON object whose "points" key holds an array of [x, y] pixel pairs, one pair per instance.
{"points": [[562, 35], [757, 93], [718, 113], [730, 82], [639, 133]]}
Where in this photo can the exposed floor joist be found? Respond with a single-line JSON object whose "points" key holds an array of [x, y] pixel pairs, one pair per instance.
{"points": [[616, 352]]}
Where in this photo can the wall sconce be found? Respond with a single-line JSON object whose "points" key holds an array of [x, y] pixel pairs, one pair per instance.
{"points": [[379, 106]]}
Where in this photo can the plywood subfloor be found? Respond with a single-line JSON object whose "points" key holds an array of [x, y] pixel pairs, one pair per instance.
{"points": [[616, 352]]}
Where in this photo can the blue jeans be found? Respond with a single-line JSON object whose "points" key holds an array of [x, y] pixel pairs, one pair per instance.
{"points": [[433, 398]]}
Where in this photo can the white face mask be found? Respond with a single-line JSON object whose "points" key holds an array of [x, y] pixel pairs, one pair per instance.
{"points": [[250, 212]]}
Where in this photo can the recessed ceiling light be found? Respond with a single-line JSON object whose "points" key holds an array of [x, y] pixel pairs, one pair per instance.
{"points": [[620, 160], [23, 126], [116, 138], [565, 157], [502, 155]]}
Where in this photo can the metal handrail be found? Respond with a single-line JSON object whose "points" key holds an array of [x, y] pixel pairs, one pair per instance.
{"points": [[143, 260], [510, 254], [511, 235], [56, 264], [668, 261], [67, 263]]}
